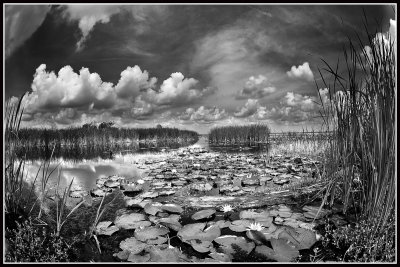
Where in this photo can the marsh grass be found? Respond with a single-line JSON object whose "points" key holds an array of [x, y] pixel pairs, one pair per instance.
{"points": [[239, 135], [361, 160]]}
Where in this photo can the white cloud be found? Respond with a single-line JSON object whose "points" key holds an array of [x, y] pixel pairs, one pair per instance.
{"points": [[256, 87], [203, 114], [385, 39], [177, 90], [65, 97], [248, 109], [133, 81], [69, 89], [302, 72], [306, 103]]}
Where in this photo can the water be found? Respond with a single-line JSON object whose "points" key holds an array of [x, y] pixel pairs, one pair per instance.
{"points": [[86, 165]]}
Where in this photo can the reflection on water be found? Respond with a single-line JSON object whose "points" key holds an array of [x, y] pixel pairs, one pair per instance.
{"points": [[85, 166], [85, 173], [259, 148], [78, 153]]}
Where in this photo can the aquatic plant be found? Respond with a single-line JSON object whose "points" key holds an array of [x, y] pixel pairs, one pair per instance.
{"points": [[246, 134], [255, 227], [361, 111], [226, 208]]}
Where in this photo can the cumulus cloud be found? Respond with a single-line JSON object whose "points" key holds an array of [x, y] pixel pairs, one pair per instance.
{"points": [[385, 39], [256, 87], [248, 109], [203, 114], [68, 89], [70, 97], [177, 90], [21, 21], [305, 103], [133, 81], [141, 109], [301, 72]]}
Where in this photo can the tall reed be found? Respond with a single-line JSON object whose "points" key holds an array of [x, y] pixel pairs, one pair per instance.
{"points": [[235, 134], [362, 114]]}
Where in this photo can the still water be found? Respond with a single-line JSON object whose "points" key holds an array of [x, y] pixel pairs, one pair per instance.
{"points": [[86, 170]]}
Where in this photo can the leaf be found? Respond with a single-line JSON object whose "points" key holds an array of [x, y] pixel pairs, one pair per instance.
{"points": [[197, 231], [203, 214], [282, 250]]}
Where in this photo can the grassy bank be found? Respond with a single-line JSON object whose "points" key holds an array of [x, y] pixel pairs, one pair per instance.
{"points": [[239, 135], [91, 140]]}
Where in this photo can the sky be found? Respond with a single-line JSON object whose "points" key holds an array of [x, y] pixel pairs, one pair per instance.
{"points": [[186, 66]]}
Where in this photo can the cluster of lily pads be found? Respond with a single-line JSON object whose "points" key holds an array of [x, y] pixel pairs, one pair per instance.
{"points": [[277, 232], [153, 211], [206, 172]]}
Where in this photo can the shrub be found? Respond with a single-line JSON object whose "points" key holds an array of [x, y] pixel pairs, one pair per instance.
{"points": [[360, 243], [30, 243]]}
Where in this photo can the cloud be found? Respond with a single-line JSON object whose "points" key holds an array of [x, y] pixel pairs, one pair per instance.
{"points": [[301, 72], [203, 114], [248, 109], [88, 16], [141, 109], [68, 89], [177, 90], [133, 81], [306, 103], [256, 87], [69, 97], [21, 21], [385, 39]]}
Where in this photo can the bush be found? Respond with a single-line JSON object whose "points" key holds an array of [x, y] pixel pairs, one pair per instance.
{"points": [[30, 243], [360, 243]]}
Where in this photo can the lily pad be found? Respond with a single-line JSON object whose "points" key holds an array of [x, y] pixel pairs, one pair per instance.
{"points": [[301, 238], [168, 254], [171, 223], [139, 258], [122, 255], [149, 195], [104, 228], [172, 208], [239, 225], [281, 252], [226, 242], [221, 257], [151, 209], [132, 245], [111, 184], [201, 246], [149, 233], [203, 214], [197, 231], [131, 221], [248, 214]]}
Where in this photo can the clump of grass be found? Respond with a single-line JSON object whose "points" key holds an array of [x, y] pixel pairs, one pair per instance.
{"points": [[354, 243], [361, 160], [239, 135], [30, 243]]}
